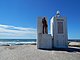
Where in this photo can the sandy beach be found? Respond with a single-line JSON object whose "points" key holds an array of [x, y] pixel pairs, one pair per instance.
{"points": [[30, 52]]}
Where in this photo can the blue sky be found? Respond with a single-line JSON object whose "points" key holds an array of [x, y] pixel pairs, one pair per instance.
{"points": [[18, 18]]}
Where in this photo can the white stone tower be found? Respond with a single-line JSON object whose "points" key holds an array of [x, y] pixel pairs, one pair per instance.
{"points": [[59, 31]]}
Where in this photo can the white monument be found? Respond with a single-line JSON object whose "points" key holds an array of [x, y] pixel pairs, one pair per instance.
{"points": [[43, 40], [58, 37], [59, 31]]}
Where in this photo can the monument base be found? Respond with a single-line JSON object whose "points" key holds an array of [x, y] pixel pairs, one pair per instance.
{"points": [[44, 41]]}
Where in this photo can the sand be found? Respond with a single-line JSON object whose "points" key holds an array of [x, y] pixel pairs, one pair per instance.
{"points": [[30, 52]]}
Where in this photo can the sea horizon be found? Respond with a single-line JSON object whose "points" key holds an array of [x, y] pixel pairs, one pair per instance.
{"points": [[17, 41]]}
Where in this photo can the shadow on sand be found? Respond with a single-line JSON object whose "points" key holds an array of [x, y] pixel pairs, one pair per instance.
{"points": [[63, 49]]}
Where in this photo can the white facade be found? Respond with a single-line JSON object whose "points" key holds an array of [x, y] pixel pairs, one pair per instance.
{"points": [[39, 25], [44, 41], [59, 32], [39, 31], [51, 26]]}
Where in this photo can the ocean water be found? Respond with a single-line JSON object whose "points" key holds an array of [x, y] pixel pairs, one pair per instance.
{"points": [[16, 41]]}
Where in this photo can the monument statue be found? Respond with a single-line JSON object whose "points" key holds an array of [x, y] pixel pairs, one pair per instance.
{"points": [[44, 22]]}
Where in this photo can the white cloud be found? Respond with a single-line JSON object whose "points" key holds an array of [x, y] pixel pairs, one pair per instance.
{"points": [[13, 31]]}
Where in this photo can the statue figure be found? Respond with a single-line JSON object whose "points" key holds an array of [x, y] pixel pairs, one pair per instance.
{"points": [[44, 22]]}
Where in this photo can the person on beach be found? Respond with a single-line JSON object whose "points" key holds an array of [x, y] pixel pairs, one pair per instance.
{"points": [[44, 22]]}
